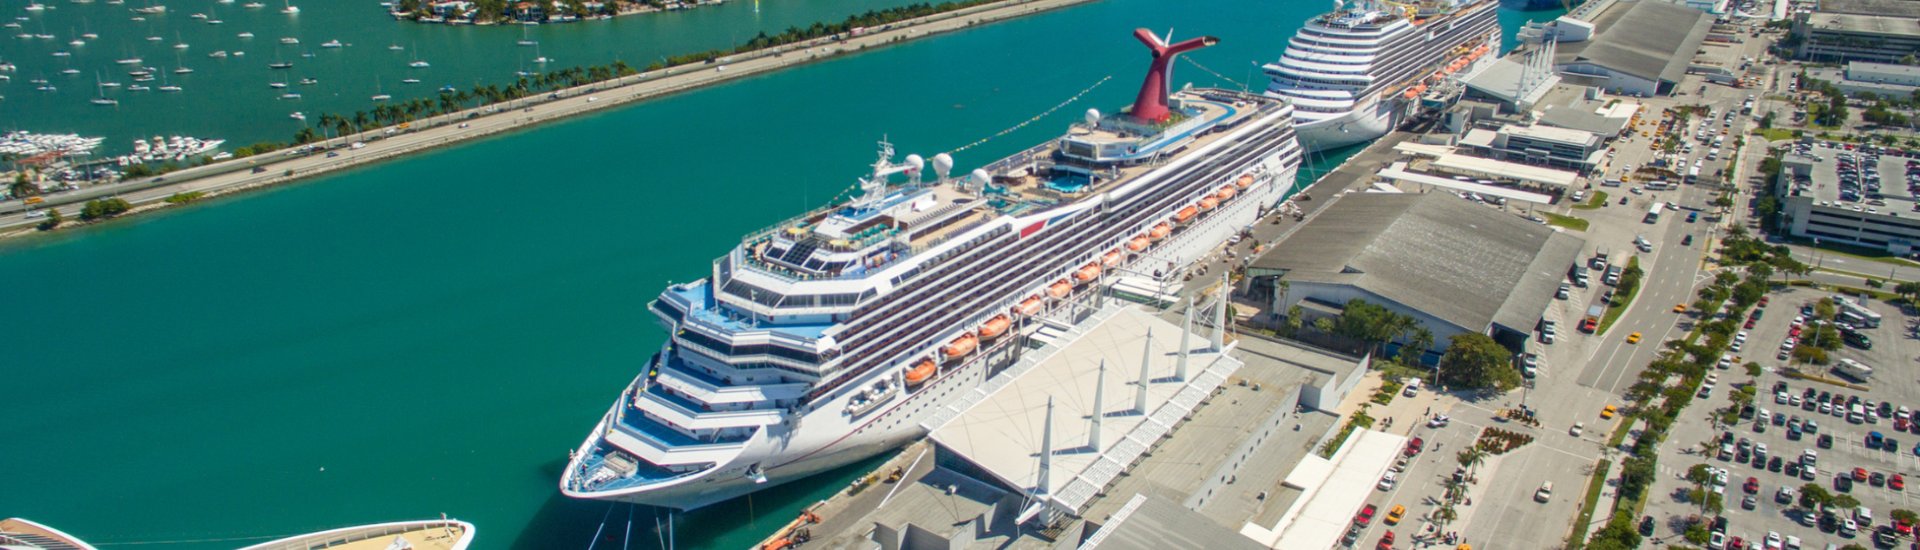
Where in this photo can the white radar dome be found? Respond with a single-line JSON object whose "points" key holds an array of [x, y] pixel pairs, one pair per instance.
{"points": [[1093, 116], [980, 177], [942, 165], [915, 163]]}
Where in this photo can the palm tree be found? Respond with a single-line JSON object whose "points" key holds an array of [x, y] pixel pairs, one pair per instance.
{"points": [[360, 121], [1472, 458]]}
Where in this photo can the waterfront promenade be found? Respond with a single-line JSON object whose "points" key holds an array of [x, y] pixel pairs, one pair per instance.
{"points": [[280, 167]]}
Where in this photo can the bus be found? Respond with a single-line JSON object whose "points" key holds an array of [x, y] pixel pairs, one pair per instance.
{"points": [[1653, 214], [1693, 175], [1661, 185]]}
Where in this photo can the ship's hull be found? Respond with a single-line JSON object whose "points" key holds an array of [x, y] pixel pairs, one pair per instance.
{"points": [[794, 452], [1367, 122]]}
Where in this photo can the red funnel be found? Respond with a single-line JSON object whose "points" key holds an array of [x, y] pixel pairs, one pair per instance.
{"points": [[1151, 104]]}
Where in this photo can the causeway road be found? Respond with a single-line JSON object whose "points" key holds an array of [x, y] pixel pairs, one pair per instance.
{"points": [[385, 143]]}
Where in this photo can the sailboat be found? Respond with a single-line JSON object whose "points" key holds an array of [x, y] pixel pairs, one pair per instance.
{"points": [[165, 87], [539, 59], [277, 63], [290, 9], [379, 95], [102, 98], [524, 40]]}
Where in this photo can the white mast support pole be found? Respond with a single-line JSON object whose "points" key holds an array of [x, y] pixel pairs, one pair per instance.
{"points": [[1186, 335], [1046, 453], [1220, 314], [1099, 407], [1146, 359]]}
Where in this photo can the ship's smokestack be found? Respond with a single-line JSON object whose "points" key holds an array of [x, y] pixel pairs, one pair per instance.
{"points": [[1151, 104]]}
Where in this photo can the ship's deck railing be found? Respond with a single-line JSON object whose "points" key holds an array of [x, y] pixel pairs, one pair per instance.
{"points": [[643, 472], [640, 425]]}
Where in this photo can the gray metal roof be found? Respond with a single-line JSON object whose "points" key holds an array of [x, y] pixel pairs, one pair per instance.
{"points": [[1154, 523], [1453, 259], [1651, 39], [1580, 116], [1888, 8]]}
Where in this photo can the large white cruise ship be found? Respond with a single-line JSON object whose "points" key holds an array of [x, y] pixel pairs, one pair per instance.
{"points": [[1352, 73], [830, 337]]}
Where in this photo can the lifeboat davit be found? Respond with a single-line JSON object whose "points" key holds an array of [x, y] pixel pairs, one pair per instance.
{"points": [[1160, 231], [1029, 306], [1244, 182], [1185, 214], [1226, 192], [1112, 258], [1060, 289], [1139, 243], [1087, 272], [995, 327], [920, 372], [1208, 202], [961, 346]]}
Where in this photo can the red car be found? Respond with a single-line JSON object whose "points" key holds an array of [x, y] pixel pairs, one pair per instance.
{"points": [[1795, 333], [1365, 517], [1386, 541], [1750, 323], [1763, 301], [1753, 485], [1897, 483], [1413, 447], [1900, 424], [1737, 544], [1859, 474], [1903, 528]]}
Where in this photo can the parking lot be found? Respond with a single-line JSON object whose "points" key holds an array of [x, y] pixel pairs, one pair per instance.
{"points": [[1697, 440]]}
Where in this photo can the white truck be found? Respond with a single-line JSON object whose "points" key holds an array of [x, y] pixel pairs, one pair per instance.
{"points": [[1852, 369]]}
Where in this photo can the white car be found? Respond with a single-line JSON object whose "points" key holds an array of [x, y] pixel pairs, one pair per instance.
{"points": [[1387, 481], [1780, 398]]}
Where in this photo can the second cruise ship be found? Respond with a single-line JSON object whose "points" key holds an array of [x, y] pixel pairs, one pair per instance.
{"points": [[830, 337], [1352, 73]]}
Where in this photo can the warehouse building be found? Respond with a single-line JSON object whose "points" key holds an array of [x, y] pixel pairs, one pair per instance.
{"points": [[1642, 48], [1880, 31], [1452, 265]]}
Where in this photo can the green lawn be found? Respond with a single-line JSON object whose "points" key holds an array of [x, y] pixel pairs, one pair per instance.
{"points": [[1599, 199], [1594, 484], [1775, 134], [1621, 301], [1569, 222], [1858, 253]]}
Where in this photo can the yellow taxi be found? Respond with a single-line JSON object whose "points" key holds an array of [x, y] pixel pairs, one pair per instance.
{"points": [[1633, 338], [1393, 516], [1679, 308], [1608, 412]]}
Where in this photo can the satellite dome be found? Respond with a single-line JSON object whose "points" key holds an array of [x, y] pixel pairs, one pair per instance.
{"points": [[1093, 116], [915, 163], [942, 165], [980, 177]]}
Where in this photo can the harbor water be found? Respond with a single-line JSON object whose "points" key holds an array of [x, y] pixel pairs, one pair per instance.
{"points": [[431, 335]]}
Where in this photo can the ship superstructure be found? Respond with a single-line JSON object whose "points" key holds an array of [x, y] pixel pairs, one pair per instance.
{"points": [[1352, 73], [829, 337]]}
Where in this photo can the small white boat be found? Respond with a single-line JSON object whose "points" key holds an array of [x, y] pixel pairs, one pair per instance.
{"points": [[218, 54], [308, 82], [129, 61], [169, 88], [90, 36], [77, 43], [181, 46], [36, 7], [297, 115], [238, 53], [449, 534], [246, 35], [198, 16], [70, 71], [154, 39], [214, 21], [419, 65], [109, 84], [410, 81], [330, 44], [290, 95], [382, 97], [182, 70], [253, 5], [105, 101], [61, 54], [276, 85], [289, 40], [138, 88]]}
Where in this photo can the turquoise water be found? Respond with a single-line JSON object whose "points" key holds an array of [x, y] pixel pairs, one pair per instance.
{"points": [[433, 334], [230, 99]]}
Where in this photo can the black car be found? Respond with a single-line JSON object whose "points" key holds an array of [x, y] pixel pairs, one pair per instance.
{"points": [[1843, 482], [1779, 386], [1792, 469], [1809, 405], [1808, 394], [1825, 441], [1719, 524], [1686, 241], [1774, 464], [1878, 479], [1646, 526], [1890, 445], [1886, 410], [1779, 420], [1826, 397]]}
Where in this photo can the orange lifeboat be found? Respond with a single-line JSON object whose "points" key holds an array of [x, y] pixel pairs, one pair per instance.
{"points": [[1060, 289], [1160, 231], [1244, 182], [1087, 272], [961, 346], [1226, 192], [1111, 259], [1208, 202], [1029, 306], [995, 327], [1185, 214], [1410, 94], [1139, 243], [920, 372]]}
